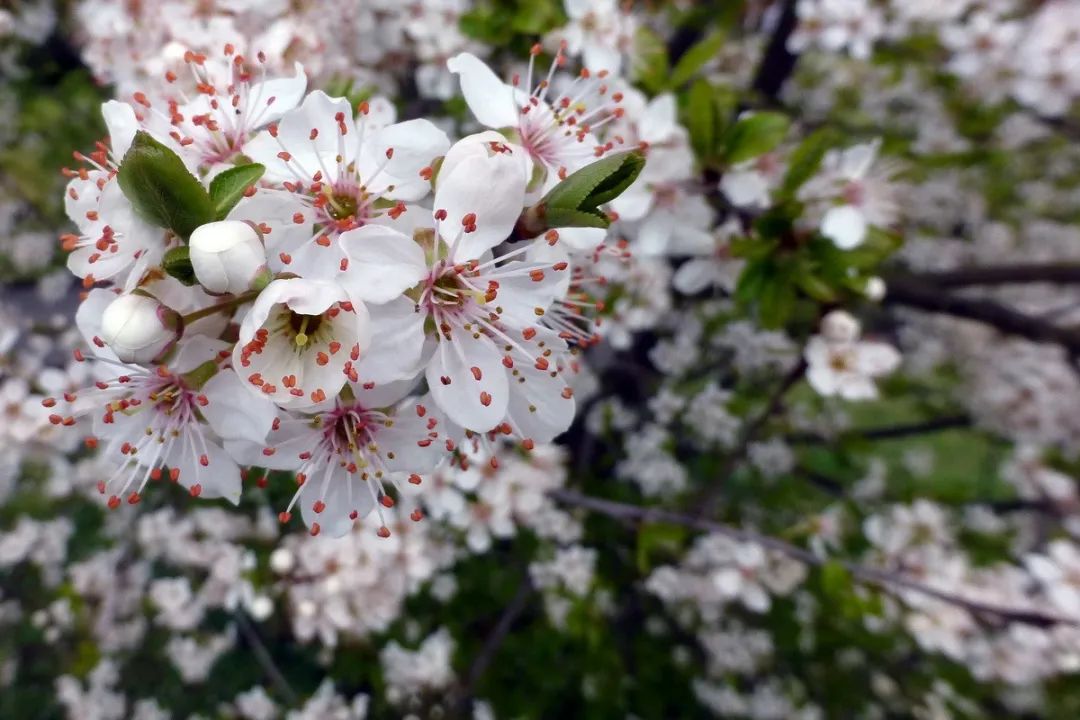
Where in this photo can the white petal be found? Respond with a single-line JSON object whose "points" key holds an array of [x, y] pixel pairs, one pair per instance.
{"points": [[383, 263], [477, 405], [399, 342], [122, 124], [415, 144], [468, 190], [271, 99], [845, 225], [234, 412], [490, 99]]}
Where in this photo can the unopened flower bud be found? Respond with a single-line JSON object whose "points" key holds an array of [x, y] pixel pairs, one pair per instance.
{"points": [[227, 256], [875, 289], [139, 329], [840, 327]]}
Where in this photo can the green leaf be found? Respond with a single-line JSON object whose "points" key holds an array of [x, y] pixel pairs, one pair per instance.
{"points": [[177, 262], [580, 196], [161, 189], [776, 300], [816, 287], [565, 217], [227, 188], [806, 159], [701, 120], [650, 68], [755, 135], [695, 58], [658, 539]]}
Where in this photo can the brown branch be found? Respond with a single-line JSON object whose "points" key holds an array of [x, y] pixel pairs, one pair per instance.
{"points": [[263, 657], [1019, 274], [491, 646], [884, 579], [908, 291], [778, 64], [890, 432]]}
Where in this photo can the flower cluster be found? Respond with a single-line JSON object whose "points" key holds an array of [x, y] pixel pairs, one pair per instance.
{"points": [[272, 274]]}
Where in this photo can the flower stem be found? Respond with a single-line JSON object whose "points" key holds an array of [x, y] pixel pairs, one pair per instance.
{"points": [[230, 304]]}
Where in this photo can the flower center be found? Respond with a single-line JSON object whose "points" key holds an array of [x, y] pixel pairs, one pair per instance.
{"points": [[303, 327]]}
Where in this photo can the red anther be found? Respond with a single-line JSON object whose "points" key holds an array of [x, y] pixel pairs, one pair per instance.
{"points": [[389, 153], [353, 515], [174, 474], [552, 236], [48, 402], [284, 156], [133, 498], [285, 258], [542, 363], [421, 411], [468, 219], [284, 517], [196, 490], [101, 486], [414, 479], [416, 515], [485, 399], [318, 506], [427, 173], [387, 501], [528, 444], [476, 373], [384, 532], [528, 333], [444, 379], [91, 443], [560, 266], [314, 134], [315, 528], [114, 502], [536, 275], [322, 358], [508, 362], [298, 218]]}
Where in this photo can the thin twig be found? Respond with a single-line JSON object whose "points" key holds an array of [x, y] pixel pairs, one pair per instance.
{"points": [[705, 501], [263, 657], [889, 432], [494, 641], [874, 576]]}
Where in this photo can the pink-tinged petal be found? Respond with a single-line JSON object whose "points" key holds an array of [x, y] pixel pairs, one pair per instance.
{"points": [[383, 263], [467, 194], [468, 381], [489, 98]]}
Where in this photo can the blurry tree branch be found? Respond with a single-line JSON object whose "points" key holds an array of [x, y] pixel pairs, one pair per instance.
{"points": [[884, 579], [705, 502], [777, 64], [910, 291], [1018, 274], [889, 432], [491, 646], [263, 657]]}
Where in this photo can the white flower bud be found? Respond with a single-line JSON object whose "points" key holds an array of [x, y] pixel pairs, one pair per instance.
{"points": [[840, 327], [227, 256], [139, 329], [875, 289]]}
